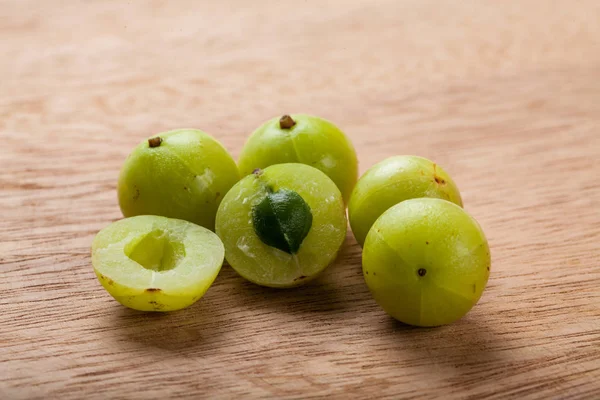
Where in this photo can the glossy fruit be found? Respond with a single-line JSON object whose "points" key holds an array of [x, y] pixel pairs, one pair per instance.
{"points": [[305, 139], [180, 174], [283, 225], [391, 181], [152, 263], [426, 262]]}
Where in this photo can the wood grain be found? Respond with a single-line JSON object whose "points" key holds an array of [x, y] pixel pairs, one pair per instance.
{"points": [[505, 95]]}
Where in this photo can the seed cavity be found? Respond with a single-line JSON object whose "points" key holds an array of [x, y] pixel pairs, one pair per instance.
{"points": [[156, 250]]}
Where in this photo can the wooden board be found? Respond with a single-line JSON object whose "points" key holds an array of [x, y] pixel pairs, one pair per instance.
{"points": [[505, 95]]}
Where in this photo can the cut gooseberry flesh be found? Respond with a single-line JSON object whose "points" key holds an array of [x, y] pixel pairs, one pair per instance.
{"points": [[153, 263]]}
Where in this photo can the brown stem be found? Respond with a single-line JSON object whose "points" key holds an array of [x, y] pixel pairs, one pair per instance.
{"points": [[155, 141], [286, 122]]}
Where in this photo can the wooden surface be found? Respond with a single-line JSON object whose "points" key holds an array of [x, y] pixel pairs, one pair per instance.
{"points": [[505, 95]]}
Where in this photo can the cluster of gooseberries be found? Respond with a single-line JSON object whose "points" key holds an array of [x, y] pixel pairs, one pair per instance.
{"points": [[425, 260]]}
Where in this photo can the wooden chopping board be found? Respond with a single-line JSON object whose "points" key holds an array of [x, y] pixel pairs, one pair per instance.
{"points": [[504, 95]]}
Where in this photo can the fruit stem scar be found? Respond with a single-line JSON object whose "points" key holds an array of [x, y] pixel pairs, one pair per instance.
{"points": [[152, 290], [263, 185], [155, 141], [286, 122], [257, 174], [422, 271]]}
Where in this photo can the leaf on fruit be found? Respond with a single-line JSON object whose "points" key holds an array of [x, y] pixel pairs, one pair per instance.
{"points": [[282, 220]]}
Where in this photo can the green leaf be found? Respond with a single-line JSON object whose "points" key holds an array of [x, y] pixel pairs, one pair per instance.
{"points": [[282, 220]]}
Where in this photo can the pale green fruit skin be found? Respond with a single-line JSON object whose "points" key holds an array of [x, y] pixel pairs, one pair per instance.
{"points": [[266, 265], [143, 289], [312, 141], [441, 238], [391, 181], [185, 177]]}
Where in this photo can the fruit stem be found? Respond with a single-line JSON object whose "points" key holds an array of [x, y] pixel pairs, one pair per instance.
{"points": [[155, 141], [286, 122]]}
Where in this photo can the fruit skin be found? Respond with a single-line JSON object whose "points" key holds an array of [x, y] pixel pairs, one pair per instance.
{"points": [[268, 266], [391, 181], [426, 262], [312, 141], [198, 256], [184, 177]]}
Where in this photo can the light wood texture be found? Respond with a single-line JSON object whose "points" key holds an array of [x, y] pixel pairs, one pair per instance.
{"points": [[505, 95]]}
